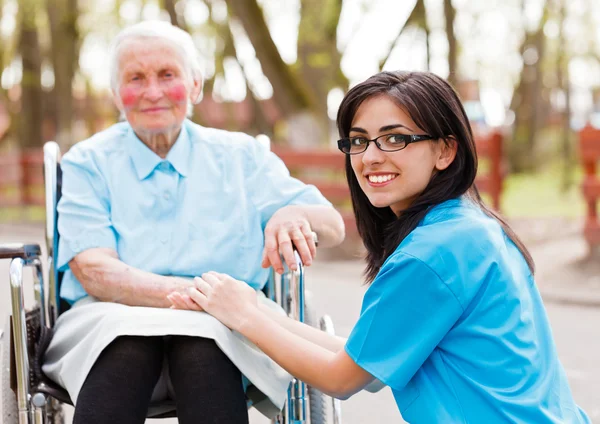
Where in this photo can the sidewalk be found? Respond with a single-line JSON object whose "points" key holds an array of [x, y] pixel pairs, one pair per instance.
{"points": [[564, 273]]}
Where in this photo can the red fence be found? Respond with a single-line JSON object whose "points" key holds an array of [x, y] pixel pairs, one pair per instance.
{"points": [[589, 150], [21, 175], [325, 169], [22, 178]]}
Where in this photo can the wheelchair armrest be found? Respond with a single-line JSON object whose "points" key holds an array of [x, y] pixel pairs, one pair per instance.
{"points": [[18, 250]]}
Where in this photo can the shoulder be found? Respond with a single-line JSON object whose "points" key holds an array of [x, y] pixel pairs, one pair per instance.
{"points": [[460, 244], [457, 228], [217, 139], [98, 147]]}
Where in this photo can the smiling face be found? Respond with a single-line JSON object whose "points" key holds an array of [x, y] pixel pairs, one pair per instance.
{"points": [[393, 179], [153, 86]]}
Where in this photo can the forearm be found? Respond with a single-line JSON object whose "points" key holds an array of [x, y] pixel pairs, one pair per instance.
{"points": [[105, 277], [326, 222], [321, 338], [302, 358]]}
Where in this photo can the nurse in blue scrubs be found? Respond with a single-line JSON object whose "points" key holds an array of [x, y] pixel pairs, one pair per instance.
{"points": [[452, 321]]}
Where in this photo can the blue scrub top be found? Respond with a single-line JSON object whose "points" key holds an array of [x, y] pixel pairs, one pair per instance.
{"points": [[202, 208], [455, 325]]}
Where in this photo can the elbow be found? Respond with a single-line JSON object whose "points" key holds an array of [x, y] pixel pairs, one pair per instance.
{"points": [[83, 269], [342, 389], [89, 268], [337, 230], [343, 392]]}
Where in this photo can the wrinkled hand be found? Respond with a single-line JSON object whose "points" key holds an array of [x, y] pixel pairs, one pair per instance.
{"points": [[229, 300], [288, 228], [179, 298]]}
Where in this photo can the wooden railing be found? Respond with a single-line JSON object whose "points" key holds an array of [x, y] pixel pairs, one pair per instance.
{"points": [[589, 151], [21, 175], [22, 178]]}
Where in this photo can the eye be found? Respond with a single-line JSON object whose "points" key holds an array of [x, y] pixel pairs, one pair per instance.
{"points": [[397, 139], [358, 141]]}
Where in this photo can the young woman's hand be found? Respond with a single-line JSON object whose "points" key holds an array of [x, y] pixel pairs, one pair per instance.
{"points": [[289, 227], [229, 300]]}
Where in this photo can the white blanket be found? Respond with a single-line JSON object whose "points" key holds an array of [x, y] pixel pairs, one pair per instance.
{"points": [[81, 333]]}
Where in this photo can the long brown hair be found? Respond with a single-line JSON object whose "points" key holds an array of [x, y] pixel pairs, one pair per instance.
{"points": [[435, 107]]}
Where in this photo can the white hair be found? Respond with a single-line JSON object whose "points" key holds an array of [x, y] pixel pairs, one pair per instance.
{"points": [[180, 40]]}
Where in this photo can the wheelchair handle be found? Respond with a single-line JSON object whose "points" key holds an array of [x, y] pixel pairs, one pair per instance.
{"points": [[19, 250]]}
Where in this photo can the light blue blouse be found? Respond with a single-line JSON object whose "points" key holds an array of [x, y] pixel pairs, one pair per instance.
{"points": [[455, 325], [204, 207]]}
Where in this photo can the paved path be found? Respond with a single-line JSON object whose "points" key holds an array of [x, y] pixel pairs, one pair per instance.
{"points": [[337, 290]]}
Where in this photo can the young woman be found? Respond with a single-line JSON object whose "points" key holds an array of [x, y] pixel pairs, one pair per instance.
{"points": [[452, 320]]}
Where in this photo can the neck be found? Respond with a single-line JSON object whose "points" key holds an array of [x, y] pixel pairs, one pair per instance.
{"points": [[159, 142]]}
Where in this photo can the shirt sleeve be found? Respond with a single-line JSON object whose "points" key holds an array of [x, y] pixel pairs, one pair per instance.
{"points": [[84, 209], [406, 313], [271, 187]]}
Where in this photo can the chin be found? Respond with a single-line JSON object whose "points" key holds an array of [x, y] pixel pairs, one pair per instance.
{"points": [[161, 127], [380, 203]]}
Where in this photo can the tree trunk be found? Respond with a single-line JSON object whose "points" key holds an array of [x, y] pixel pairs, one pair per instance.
{"points": [[318, 57], [562, 67], [30, 118], [417, 18], [62, 15], [176, 18], [528, 104], [450, 16], [289, 92]]}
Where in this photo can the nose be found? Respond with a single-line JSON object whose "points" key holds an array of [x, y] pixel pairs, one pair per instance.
{"points": [[373, 155], [153, 90]]}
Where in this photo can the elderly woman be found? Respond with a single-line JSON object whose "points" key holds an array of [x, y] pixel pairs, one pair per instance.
{"points": [[147, 205]]}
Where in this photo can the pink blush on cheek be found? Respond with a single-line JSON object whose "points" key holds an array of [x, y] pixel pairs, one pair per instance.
{"points": [[129, 96], [177, 93]]}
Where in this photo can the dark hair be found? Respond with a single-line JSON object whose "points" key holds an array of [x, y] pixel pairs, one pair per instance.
{"points": [[435, 107]]}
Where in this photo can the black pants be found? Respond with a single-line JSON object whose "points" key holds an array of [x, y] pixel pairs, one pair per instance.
{"points": [[208, 386]]}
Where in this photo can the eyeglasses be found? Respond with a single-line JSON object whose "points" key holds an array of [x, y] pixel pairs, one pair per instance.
{"points": [[390, 142]]}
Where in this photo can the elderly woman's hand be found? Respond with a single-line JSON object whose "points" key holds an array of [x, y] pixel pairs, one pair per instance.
{"points": [[229, 300], [288, 228], [181, 300]]}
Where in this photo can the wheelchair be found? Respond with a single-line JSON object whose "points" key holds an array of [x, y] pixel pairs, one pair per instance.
{"points": [[29, 397]]}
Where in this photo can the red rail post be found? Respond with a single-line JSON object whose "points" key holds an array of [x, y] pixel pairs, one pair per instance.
{"points": [[489, 146], [589, 149]]}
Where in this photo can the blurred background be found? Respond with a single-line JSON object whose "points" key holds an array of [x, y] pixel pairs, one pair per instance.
{"points": [[528, 72], [527, 69]]}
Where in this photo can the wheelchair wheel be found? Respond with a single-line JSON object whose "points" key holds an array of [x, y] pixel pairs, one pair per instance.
{"points": [[318, 402], [56, 414], [10, 411]]}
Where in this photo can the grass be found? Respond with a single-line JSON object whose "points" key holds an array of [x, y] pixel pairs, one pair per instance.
{"points": [[540, 194]]}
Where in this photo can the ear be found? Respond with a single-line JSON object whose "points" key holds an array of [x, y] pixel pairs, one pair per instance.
{"points": [[195, 91], [447, 153]]}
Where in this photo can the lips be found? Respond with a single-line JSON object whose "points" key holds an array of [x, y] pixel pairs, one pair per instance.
{"points": [[154, 109]]}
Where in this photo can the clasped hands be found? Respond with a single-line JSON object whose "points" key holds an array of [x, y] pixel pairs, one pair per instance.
{"points": [[220, 294]]}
